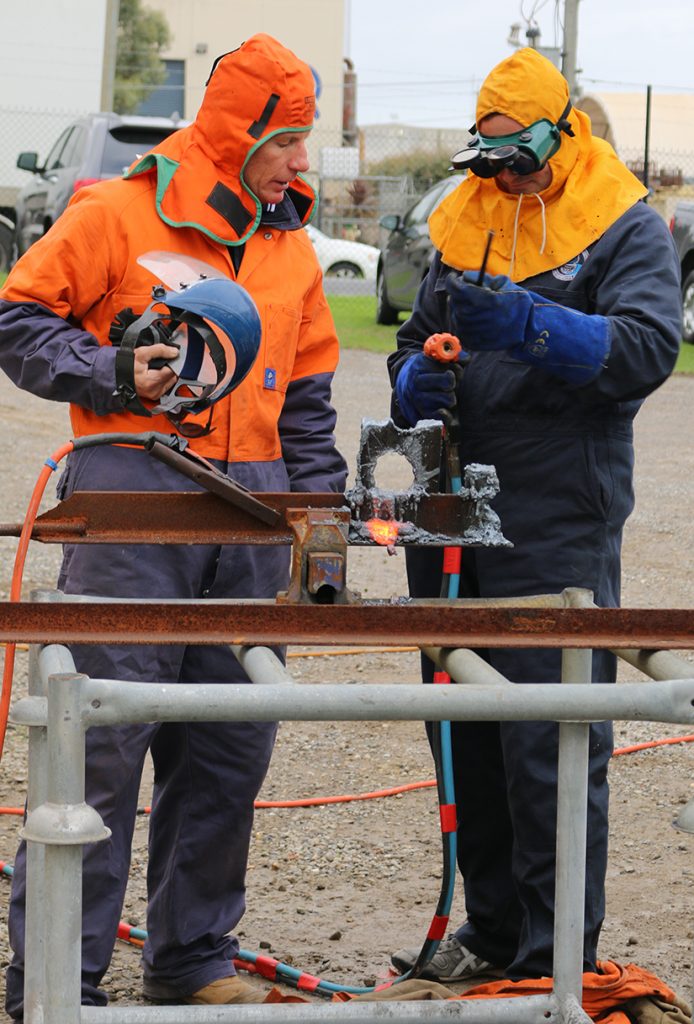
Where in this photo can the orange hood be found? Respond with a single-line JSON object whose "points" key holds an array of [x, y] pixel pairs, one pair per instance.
{"points": [[253, 93], [590, 188]]}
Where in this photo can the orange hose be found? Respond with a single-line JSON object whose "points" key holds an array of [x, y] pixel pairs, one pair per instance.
{"points": [[347, 798], [17, 573], [652, 743], [350, 651], [407, 787], [315, 801]]}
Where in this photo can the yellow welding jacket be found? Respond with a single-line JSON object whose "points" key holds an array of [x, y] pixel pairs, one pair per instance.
{"points": [[590, 187]]}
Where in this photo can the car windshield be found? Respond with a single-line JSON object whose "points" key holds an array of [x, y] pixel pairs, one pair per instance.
{"points": [[125, 144]]}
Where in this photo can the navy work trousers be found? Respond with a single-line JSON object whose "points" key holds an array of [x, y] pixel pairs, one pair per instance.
{"points": [[563, 502], [206, 775]]}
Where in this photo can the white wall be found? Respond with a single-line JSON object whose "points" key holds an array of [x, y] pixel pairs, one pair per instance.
{"points": [[313, 29], [51, 55]]}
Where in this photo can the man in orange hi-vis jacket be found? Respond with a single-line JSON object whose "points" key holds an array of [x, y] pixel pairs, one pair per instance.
{"points": [[226, 191]]}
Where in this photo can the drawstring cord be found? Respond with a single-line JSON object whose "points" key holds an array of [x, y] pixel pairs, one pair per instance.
{"points": [[515, 235], [516, 220]]}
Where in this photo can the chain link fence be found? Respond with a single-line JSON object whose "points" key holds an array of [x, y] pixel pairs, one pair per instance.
{"points": [[384, 172]]}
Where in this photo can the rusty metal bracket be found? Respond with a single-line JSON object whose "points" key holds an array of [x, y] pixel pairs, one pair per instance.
{"points": [[319, 557]]}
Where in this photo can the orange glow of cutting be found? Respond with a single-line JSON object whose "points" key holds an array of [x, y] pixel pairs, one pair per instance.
{"points": [[383, 531]]}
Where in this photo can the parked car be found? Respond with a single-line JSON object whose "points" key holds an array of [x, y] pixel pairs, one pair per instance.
{"points": [[6, 243], [408, 252], [682, 228], [93, 148], [339, 257]]}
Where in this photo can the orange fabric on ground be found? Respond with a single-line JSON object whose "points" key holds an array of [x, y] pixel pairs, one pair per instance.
{"points": [[603, 993]]}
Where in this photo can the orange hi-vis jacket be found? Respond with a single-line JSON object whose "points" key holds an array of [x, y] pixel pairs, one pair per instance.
{"points": [[279, 270], [188, 196]]}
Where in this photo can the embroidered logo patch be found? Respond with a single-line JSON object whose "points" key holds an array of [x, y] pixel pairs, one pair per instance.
{"points": [[569, 270], [270, 380]]}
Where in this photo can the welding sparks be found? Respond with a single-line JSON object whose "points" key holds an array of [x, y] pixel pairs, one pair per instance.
{"points": [[383, 531]]}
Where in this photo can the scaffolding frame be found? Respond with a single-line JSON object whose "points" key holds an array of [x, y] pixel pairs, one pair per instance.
{"points": [[62, 704]]}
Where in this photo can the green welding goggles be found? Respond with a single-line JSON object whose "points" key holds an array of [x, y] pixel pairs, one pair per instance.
{"points": [[523, 152]]}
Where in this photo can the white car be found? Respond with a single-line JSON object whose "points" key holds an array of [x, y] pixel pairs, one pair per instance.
{"points": [[340, 258]]}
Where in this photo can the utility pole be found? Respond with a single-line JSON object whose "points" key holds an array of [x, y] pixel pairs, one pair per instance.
{"points": [[570, 47], [108, 71]]}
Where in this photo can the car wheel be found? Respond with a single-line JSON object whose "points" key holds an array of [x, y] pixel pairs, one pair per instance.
{"points": [[688, 308], [385, 313], [349, 270]]}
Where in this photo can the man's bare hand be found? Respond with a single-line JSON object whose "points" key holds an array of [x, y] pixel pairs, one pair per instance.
{"points": [[151, 384]]}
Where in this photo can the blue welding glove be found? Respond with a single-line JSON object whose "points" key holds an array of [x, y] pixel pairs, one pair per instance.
{"points": [[424, 386], [502, 315]]}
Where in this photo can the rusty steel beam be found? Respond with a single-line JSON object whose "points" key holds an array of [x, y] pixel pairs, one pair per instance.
{"points": [[425, 623], [122, 517]]}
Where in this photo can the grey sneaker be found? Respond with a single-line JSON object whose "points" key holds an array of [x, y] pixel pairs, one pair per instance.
{"points": [[451, 962]]}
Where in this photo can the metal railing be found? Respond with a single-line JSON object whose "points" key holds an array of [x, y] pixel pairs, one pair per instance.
{"points": [[62, 704]]}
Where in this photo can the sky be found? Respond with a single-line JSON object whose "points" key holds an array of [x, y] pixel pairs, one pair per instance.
{"points": [[421, 63]]}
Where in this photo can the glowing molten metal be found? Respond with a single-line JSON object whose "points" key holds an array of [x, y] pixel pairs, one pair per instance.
{"points": [[383, 531]]}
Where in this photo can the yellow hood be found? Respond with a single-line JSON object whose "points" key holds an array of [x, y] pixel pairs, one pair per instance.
{"points": [[590, 188]]}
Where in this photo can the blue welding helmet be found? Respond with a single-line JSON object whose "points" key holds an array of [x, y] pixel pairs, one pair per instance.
{"points": [[210, 319], [216, 327], [523, 152]]}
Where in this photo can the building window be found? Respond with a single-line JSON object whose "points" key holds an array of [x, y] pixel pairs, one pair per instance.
{"points": [[168, 98]]}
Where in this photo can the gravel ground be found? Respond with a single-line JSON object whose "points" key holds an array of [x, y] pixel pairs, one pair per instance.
{"points": [[334, 889]]}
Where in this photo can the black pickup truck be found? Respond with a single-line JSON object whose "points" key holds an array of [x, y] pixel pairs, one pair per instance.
{"points": [[682, 228]]}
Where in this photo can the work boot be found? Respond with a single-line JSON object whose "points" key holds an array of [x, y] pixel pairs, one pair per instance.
{"points": [[223, 991], [451, 962]]}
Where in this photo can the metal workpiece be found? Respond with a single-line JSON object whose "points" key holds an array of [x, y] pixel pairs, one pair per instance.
{"points": [[469, 520], [108, 701], [227, 513], [201, 518], [421, 447], [540, 1009], [171, 517]]}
